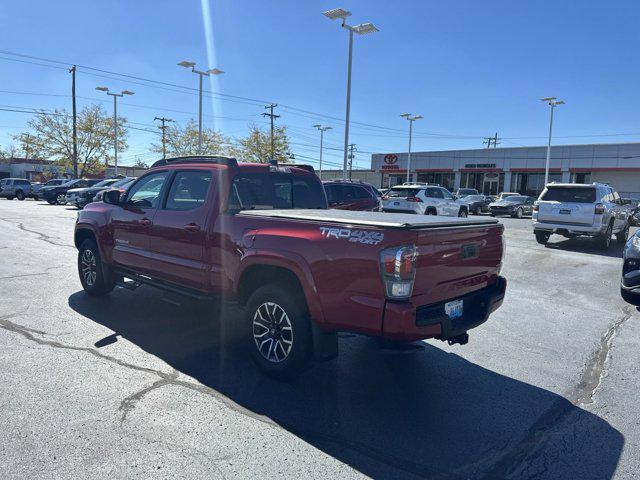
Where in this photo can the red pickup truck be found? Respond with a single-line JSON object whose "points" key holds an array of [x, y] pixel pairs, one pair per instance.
{"points": [[262, 234]]}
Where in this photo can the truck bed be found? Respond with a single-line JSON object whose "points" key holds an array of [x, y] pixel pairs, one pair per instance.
{"points": [[374, 219]]}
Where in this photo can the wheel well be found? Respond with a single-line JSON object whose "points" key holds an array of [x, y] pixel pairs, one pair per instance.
{"points": [[256, 276], [464, 208], [82, 235], [431, 209]]}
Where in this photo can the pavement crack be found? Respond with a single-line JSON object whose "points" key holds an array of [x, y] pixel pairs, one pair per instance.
{"points": [[129, 403], [36, 274], [41, 236]]}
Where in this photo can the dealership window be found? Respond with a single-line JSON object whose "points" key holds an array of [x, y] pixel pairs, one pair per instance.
{"points": [[581, 177], [487, 183], [444, 179], [397, 179], [531, 183]]}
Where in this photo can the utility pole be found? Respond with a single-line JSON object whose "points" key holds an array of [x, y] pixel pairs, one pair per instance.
{"points": [[352, 148], [272, 116], [163, 127], [489, 140], [75, 131]]}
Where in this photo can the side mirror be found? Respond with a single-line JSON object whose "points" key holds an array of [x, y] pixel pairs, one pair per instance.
{"points": [[112, 197]]}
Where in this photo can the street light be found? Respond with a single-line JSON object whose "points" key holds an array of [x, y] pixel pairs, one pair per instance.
{"points": [[411, 118], [553, 103], [322, 130], [200, 73], [115, 122], [361, 29]]}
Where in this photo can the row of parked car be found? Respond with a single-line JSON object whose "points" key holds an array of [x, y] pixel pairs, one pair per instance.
{"points": [[61, 191]]}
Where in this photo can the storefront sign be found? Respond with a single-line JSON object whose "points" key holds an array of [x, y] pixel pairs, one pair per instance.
{"points": [[480, 165], [389, 167], [390, 159]]}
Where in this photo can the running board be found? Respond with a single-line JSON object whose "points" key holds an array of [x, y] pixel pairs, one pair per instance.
{"points": [[137, 280]]}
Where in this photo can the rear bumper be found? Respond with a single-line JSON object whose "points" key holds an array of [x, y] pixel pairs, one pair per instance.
{"points": [[563, 228], [406, 323]]}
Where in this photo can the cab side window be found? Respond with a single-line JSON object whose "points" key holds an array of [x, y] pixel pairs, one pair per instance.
{"points": [[146, 192], [189, 190], [434, 193], [446, 194]]}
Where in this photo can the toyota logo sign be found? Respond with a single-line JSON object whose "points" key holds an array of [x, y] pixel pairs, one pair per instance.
{"points": [[390, 159]]}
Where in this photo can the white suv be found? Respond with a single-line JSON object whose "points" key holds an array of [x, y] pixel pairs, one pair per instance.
{"points": [[572, 209], [423, 200]]}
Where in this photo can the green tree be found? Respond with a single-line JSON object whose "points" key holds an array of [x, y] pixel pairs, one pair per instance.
{"points": [[51, 136], [183, 140], [256, 147]]}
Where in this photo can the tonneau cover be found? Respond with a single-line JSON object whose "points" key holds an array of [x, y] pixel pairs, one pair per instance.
{"points": [[376, 219]]}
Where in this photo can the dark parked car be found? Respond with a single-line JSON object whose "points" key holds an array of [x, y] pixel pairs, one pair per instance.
{"points": [[350, 195], [85, 196], [37, 187], [634, 205], [464, 192], [515, 206], [121, 185], [57, 195], [477, 203]]}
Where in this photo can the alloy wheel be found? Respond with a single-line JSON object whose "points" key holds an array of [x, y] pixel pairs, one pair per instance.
{"points": [[272, 332], [61, 199], [89, 267]]}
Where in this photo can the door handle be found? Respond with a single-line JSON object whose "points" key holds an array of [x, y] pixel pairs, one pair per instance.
{"points": [[192, 227], [145, 222]]}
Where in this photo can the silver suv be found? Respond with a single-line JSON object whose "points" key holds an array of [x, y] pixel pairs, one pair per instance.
{"points": [[11, 188], [423, 200], [573, 209]]}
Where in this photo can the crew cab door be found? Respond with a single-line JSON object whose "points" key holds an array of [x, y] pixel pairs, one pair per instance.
{"points": [[131, 222], [177, 235]]}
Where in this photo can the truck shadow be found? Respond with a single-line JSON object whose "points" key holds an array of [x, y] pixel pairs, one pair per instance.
{"points": [[429, 414]]}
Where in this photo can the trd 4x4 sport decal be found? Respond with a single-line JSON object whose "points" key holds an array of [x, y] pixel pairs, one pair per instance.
{"points": [[360, 236]]}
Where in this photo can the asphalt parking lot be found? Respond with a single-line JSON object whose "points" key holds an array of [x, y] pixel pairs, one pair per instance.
{"points": [[137, 385]]}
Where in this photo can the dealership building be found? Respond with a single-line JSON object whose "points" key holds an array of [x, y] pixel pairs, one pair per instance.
{"points": [[516, 169]]}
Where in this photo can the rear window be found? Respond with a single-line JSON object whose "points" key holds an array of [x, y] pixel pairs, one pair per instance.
{"points": [[275, 191], [569, 194], [403, 192]]}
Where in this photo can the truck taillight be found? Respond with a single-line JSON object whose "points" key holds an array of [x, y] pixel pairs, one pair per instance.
{"points": [[599, 210], [398, 267], [414, 199]]}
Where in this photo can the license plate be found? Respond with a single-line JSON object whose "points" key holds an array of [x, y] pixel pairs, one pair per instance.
{"points": [[396, 203], [565, 211], [453, 309]]}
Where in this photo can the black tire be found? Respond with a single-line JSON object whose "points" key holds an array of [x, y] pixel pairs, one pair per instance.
{"points": [[517, 213], [630, 297], [96, 277], [604, 241], [431, 211], [542, 237], [462, 213], [478, 210], [621, 237], [51, 202], [20, 195], [9, 197], [265, 321], [36, 198], [61, 199]]}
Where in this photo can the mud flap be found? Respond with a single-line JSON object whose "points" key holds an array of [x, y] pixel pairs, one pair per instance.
{"points": [[325, 344]]}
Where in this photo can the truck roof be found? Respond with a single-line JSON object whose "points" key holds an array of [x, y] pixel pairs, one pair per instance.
{"points": [[375, 219], [221, 162]]}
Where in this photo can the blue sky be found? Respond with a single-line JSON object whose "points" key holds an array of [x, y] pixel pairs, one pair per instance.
{"points": [[470, 67]]}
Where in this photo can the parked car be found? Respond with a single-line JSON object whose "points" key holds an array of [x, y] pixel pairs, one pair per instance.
{"points": [[423, 200], [81, 196], [11, 188], [349, 195], [464, 192], [503, 195], [477, 204], [574, 209], [57, 194], [634, 207], [263, 235], [383, 191], [630, 281], [121, 185], [513, 205], [36, 188]]}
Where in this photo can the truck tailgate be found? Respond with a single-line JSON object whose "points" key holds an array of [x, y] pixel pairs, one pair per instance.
{"points": [[456, 261]]}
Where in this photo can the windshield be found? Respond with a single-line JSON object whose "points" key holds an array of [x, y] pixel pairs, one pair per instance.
{"points": [[275, 191], [123, 182], [467, 191], [403, 192], [515, 199], [106, 182], [569, 194], [474, 198]]}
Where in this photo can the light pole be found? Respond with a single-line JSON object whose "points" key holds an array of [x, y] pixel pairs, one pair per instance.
{"points": [[553, 103], [200, 73], [411, 118], [361, 29], [115, 122], [322, 130]]}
